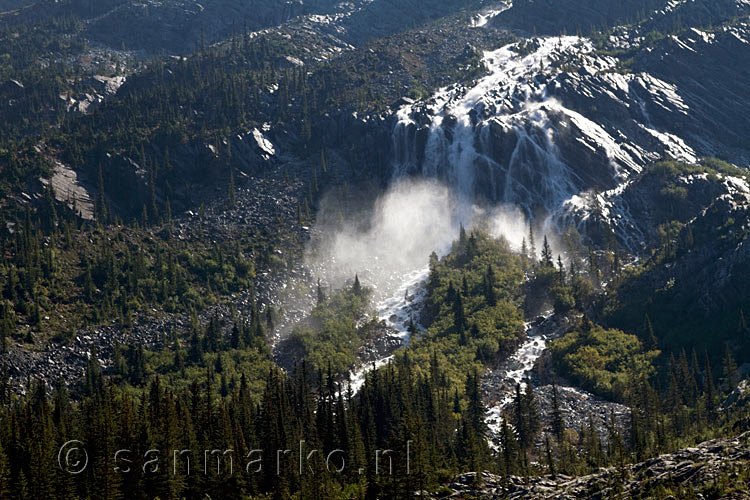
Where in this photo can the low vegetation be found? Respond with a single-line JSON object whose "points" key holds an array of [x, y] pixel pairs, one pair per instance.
{"points": [[602, 361], [330, 338]]}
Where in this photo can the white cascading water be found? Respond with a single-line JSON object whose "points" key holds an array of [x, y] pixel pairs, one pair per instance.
{"points": [[397, 310], [512, 100], [457, 142], [500, 140], [457, 145], [514, 372], [486, 14], [497, 142]]}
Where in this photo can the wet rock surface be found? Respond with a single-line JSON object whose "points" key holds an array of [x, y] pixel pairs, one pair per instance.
{"points": [[558, 120], [384, 342], [696, 467]]}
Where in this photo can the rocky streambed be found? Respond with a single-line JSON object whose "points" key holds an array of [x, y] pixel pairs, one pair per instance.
{"points": [[527, 365], [396, 311]]}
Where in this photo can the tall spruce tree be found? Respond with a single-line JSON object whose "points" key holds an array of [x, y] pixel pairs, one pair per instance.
{"points": [[546, 253]]}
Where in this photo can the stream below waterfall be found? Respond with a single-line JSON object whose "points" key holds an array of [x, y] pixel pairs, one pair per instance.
{"points": [[397, 310], [404, 305], [502, 139]]}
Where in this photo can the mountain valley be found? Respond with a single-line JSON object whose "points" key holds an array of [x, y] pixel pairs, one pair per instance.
{"points": [[508, 240]]}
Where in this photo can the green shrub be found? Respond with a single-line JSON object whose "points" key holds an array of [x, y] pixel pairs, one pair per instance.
{"points": [[602, 361]]}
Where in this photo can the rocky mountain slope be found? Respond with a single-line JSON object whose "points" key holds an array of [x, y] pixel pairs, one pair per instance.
{"points": [[561, 118], [181, 26], [561, 126], [713, 469], [285, 101]]}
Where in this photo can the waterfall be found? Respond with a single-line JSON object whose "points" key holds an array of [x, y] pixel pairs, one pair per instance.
{"points": [[499, 140], [511, 139]]}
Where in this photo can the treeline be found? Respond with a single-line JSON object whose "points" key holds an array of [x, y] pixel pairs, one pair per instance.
{"points": [[231, 348], [398, 410]]}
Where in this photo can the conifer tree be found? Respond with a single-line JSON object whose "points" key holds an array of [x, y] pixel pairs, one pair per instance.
{"points": [[531, 413], [558, 425], [532, 245], [412, 328], [548, 455], [742, 325], [231, 191], [6, 327], [93, 376], [649, 337], [321, 294], [179, 358], [21, 488], [695, 369], [270, 318], [451, 293], [459, 315], [475, 407], [236, 339], [211, 340], [592, 443], [710, 390], [462, 340], [138, 365], [730, 375], [196, 347], [546, 253], [5, 490], [512, 458], [687, 381]]}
